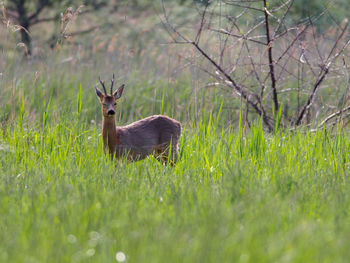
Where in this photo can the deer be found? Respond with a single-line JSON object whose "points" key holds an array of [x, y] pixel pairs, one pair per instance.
{"points": [[157, 134]]}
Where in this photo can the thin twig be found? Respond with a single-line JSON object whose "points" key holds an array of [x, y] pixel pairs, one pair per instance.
{"points": [[323, 73], [198, 36], [222, 31], [243, 6], [335, 114], [281, 21]]}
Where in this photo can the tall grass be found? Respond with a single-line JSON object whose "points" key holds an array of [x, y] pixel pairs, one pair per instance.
{"points": [[235, 195]]}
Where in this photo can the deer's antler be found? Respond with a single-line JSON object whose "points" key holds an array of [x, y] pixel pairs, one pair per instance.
{"points": [[112, 83], [103, 85]]}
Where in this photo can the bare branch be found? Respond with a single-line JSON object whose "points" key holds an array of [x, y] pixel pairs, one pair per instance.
{"points": [[265, 53], [291, 44], [337, 41], [228, 78], [271, 63], [262, 85], [281, 21], [45, 19], [202, 24], [86, 31], [243, 6], [223, 49], [289, 3], [39, 8], [323, 73], [333, 115], [315, 41], [238, 36], [172, 27]]}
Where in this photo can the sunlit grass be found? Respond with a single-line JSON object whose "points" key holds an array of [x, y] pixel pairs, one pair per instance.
{"points": [[235, 195]]}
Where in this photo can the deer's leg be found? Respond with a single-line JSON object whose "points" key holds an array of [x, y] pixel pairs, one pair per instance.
{"points": [[111, 154], [174, 155], [158, 154], [165, 155]]}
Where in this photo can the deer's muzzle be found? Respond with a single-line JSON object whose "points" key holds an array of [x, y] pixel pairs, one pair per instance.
{"points": [[111, 112]]}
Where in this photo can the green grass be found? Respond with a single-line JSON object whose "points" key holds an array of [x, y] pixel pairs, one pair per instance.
{"points": [[234, 196]]}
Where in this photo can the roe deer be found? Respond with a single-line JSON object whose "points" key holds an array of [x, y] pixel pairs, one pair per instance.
{"points": [[157, 134]]}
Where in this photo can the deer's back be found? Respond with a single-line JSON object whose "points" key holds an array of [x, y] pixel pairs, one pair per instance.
{"points": [[142, 137]]}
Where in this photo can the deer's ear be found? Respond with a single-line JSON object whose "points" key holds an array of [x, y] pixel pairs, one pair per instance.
{"points": [[99, 93], [118, 93]]}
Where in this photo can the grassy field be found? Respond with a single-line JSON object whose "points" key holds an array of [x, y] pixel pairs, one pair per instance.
{"points": [[235, 196], [238, 194]]}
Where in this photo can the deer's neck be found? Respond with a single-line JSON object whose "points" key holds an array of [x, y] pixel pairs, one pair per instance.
{"points": [[109, 134]]}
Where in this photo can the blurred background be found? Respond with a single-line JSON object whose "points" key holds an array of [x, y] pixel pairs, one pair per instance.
{"points": [[51, 52]]}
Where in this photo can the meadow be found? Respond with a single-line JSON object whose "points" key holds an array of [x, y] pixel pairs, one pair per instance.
{"points": [[233, 197], [237, 194]]}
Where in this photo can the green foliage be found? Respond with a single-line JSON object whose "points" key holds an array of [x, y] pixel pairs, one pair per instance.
{"points": [[234, 195]]}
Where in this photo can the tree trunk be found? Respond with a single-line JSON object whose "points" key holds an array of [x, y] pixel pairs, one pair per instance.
{"points": [[25, 24], [25, 38]]}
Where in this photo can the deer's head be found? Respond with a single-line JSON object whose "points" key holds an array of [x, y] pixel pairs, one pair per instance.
{"points": [[109, 102]]}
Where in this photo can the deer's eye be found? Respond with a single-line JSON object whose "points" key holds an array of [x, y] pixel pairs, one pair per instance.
{"points": [[105, 104], [115, 104]]}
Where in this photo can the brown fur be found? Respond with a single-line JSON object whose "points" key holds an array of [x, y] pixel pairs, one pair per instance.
{"points": [[155, 135]]}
